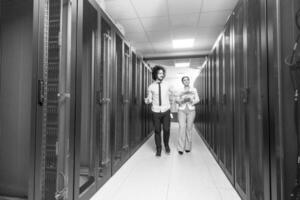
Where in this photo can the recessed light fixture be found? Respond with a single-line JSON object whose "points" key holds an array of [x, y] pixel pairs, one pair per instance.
{"points": [[184, 43], [182, 64]]}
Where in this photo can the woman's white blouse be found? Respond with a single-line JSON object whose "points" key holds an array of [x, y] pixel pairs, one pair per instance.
{"points": [[192, 94]]}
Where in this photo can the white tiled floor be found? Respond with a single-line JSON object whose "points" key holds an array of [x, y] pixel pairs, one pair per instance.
{"points": [[192, 176]]}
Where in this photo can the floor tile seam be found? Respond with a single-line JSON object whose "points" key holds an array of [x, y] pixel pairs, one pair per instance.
{"points": [[207, 165], [170, 176]]}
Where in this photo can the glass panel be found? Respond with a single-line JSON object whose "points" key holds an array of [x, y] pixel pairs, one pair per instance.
{"points": [[64, 103], [139, 98], [214, 105], [119, 105], [87, 145], [133, 118], [240, 135], [126, 97], [104, 96], [257, 78], [228, 100], [221, 102]]}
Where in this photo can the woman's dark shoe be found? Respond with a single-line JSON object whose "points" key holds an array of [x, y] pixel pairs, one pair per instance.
{"points": [[188, 151], [168, 150], [180, 152], [158, 153]]}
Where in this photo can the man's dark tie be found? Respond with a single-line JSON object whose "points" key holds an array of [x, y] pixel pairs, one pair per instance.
{"points": [[159, 93]]}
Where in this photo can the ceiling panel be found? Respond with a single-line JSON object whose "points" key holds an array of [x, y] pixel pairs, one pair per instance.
{"points": [[131, 25], [152, 24], [155, 23], [146, 46], [159, 36], [120, 9], [162, 46], [169, 63], [214, 5], [209, 19], [194, 62], [136, 37], [211, 32], [153, 8], [146, 51], [184, 6], [179, 21], [184, 32]]}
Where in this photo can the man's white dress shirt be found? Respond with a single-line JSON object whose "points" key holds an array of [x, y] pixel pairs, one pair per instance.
{"points": [[153, 96]]}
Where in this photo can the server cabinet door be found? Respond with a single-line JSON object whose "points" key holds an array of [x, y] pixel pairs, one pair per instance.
{"points": [[257, 108], [208, 136], [31, 43], [126, 101], [140, 100], [221, 109], [206, 101], [17, 111], [119, 97], [86, 112], [228, 102], [121, 103], [241, 98], [149, 119], [60, 77], [134, 138], [104, 100], [214, 104], [143, 111]]}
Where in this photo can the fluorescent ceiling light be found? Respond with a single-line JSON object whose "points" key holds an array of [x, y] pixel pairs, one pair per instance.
{"points": [[182, 64], [185, 43]]}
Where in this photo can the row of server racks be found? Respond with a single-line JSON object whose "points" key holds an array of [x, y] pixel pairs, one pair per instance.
{"points": [[71, 99], [247, 115]]}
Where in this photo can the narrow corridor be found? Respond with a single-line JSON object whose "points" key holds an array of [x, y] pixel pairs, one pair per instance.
{"points": [[192, 176]]}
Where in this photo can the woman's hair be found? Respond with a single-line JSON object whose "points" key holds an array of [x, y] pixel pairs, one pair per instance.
{"points": [[155, 70], [184, 78]]}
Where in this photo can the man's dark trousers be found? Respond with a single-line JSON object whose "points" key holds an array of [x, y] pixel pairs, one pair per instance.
{"points": [[164, 119]]}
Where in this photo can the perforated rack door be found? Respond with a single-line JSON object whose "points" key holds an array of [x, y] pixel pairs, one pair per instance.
{"points": [[52, 24]]}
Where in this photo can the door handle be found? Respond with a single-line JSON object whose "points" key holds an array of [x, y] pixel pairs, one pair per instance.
{"points": [[99, 100], [41, 90], [103, 101]]}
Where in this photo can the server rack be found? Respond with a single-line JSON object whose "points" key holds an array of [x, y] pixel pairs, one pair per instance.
{"points": [[282, 34], [121, 150], [33, 46], [238, 64], [86, 162], [11, 66], [135, 120]]}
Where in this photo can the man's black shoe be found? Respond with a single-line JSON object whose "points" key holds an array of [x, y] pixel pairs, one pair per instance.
{"points": [[168, 150], [158, 153], [188, 151], [180, 152]]}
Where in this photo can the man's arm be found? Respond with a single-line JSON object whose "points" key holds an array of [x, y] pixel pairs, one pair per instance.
{"points": [[148, 99]]}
